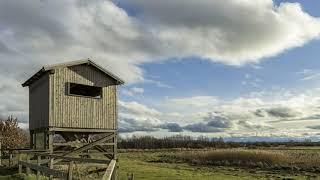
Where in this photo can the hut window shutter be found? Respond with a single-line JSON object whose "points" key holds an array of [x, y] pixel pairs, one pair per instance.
{"points": [[84, 90]]}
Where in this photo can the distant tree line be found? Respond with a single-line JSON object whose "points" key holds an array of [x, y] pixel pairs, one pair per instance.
{"points": [[149, 142], [179, 141]]}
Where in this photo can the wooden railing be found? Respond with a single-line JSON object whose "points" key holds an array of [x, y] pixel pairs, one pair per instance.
{"points": [[42, 163], [49, 171], [42, 169]]}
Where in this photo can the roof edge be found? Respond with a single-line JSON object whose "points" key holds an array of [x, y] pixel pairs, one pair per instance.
{"points": [[46, 68]]}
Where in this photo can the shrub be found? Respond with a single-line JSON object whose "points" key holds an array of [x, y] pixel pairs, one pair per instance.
{"points": [[12, 136]]}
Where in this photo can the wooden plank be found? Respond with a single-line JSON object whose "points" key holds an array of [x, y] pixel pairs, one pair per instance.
{"points": [[10, 159], [44, 169], [31, 143], [0, 152], [19, 165], [97, 153], [82, 153], [81, 144], [28, 161], [39, 103], [88, 146], [78, 112], [82, 130], [99, 161], [51, 167], [108, 174], [50, 141], [70, 169], [39, 164], [31, 151], [107, 154], [115, 147]]}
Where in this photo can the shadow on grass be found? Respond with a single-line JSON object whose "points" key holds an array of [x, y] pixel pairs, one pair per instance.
{"points": [[11, 173], [5, 171]]}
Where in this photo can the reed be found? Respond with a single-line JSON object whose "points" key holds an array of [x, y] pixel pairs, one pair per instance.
{"points": [[248, 158]]}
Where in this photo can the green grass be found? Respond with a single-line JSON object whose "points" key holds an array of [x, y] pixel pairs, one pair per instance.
{"points": [[149, 165], [146, 165], [19, 177]]}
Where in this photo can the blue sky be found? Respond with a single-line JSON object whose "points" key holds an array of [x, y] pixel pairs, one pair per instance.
{"points": [[196, 76], [213, 68]]}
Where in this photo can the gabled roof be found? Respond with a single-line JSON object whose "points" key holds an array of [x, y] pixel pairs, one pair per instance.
{"points": [[48, 68]]}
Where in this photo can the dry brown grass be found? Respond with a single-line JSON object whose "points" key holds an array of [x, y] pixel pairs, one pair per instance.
{"points": [[297, 160]]}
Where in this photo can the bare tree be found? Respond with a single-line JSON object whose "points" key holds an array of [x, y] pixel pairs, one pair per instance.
{"points": [[12, 135]]}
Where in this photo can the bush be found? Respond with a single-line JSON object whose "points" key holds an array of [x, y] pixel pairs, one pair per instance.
{"points": [[11, 135]]}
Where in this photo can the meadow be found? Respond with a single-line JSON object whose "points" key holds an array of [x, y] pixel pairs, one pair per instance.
{"points": [[220, 164], [201, 164]]}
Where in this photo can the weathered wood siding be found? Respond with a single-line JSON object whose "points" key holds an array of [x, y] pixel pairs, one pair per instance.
{"points": [[39, 103], [69, 111]]}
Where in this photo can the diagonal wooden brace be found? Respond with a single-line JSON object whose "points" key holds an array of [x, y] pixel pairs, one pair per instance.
{"points": [[88, 146]]}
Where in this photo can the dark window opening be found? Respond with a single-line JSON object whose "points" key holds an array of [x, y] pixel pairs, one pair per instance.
{"points": [[85, 90]]}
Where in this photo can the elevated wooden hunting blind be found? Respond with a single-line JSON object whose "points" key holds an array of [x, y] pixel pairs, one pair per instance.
{"points": [[76, 100]]}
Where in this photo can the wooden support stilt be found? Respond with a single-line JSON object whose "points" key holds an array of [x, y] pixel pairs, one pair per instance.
{"points": [[51, 167], [0, 152], [50, 142], [28, 161], [19, 165], [130, 176], [115, 141], [70, 169], [39, 164], [10, 158], [32, 140]]}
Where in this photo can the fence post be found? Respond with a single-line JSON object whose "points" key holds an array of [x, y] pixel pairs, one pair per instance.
{"points": [[39, 164], [0, 152], [130, 176], [115, 173], [51, 166], [28, 161], [10, 158], [19, 165], [70, 170]]}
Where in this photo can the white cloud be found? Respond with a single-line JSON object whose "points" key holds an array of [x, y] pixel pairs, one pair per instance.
{"points": [[137, 90], [13, 99], [276, 113], [133, 91], [33, 33], [137, 108], [309, 74], [250, 80], [232, 32], [195, 102], [157, 83], [134, 116]]}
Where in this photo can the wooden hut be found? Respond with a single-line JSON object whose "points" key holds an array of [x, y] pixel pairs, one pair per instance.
{"points": [[76, 101]]}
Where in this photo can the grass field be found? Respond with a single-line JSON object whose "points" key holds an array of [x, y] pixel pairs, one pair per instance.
{"points": [[151, 165]]}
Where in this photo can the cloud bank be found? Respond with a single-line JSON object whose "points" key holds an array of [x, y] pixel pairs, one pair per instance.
{"points": [[277, 113], [232, 32], [235, 32]]}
